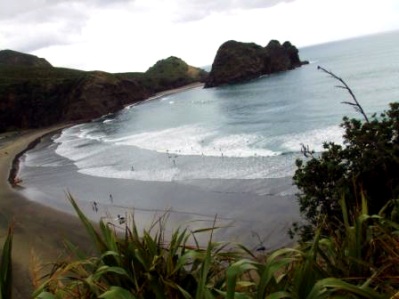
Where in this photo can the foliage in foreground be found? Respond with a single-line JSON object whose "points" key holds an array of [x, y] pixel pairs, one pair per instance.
{"points": [[365, 257], [6, 267]]}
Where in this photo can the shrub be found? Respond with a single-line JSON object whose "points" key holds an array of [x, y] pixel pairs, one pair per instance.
{"points": [[367, 163]]}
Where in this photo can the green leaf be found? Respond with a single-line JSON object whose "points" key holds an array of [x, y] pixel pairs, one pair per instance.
{"points": [[6, 267], [46, 295], [88, 225], [234, 271], [117, 292], [279, 295]]}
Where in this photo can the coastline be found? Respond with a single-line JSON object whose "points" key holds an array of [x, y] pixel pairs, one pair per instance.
{"points": [[169, 92], [44, 227], [39, 231]]}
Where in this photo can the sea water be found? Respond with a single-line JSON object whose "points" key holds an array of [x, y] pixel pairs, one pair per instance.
{"points": [[234, 145]]}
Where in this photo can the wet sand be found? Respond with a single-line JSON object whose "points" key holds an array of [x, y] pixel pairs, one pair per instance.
{"points": [[245, 209], [39, 231], [43, 220], [248, 215]]}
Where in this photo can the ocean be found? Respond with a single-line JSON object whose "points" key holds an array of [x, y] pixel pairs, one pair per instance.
{"points": [[225, 153]]}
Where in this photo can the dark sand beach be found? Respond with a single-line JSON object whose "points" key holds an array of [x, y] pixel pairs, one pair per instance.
{"points": [[241, 207], [39, 231], [249, 211]]}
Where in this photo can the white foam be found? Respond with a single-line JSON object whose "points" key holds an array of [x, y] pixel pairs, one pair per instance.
{"points": [[195, 140], [193, 152], [165, 175], [238, 145], [76, 144], [40, 160], [313, 138], [208, 168]]}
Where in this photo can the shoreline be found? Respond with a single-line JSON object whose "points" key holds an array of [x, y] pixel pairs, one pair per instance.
{"points": [[39, 231], [13, 173], [168, 92], [15, 165], [44, 227]]}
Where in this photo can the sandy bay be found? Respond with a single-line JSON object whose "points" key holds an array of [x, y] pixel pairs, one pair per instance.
{"points": [[250, 211]]}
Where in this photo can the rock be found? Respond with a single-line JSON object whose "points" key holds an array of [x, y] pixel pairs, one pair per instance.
{"points": [[237, 62]]}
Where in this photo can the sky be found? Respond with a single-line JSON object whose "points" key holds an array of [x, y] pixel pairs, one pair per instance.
{"points": [[132, 35]]}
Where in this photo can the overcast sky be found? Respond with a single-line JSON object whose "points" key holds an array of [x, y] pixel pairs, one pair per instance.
{"points": [[131, 35]]}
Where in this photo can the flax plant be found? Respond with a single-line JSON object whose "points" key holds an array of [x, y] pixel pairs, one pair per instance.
{"points": [[6, 266], [139, 266], [357, 261]]}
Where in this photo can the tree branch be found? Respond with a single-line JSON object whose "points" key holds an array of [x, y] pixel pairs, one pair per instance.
{"points": [[356, 104]]}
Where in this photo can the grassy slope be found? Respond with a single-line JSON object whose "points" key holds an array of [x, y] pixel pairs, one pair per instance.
{"points": [[33, 97]]}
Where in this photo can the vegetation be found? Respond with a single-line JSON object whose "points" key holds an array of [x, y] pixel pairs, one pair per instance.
{"points": [[35, 94], [364, 255], [167, 74], [6, 267], [368, 164]]}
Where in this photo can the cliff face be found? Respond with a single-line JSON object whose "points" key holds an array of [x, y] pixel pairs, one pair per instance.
{"points": [[34, 94], [239, 62], [101, 93]]}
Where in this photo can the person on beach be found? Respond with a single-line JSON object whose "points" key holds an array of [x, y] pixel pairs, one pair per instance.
{"points": [[16, 181], [121, 219], [95, 206], [111, 199]]}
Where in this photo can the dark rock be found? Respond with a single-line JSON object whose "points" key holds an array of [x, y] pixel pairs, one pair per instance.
{"points": [[237, 62]]}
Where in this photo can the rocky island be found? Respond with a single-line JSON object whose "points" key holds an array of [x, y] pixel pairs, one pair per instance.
{"points": [[237, 62]]}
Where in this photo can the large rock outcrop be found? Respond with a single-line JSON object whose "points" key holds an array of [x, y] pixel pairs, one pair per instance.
{"points": [[237, 62], [34, 94]]}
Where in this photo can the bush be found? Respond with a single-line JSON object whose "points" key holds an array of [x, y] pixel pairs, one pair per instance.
{"points": [[367, 164]]}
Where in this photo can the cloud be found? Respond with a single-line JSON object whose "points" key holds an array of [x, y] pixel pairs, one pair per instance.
{"points": [[32, 28], [29, 25], [11, 9], [198, 9]]}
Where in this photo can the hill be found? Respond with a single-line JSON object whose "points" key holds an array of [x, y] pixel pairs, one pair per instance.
{"points": [[13, 58], [35, 94], [167, 74]]}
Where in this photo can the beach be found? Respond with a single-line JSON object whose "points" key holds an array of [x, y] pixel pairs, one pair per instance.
{"points": [[39, 231], [255, 212]]}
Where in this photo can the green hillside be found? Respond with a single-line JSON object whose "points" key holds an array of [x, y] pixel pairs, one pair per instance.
{"points": [[35, 94]]}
